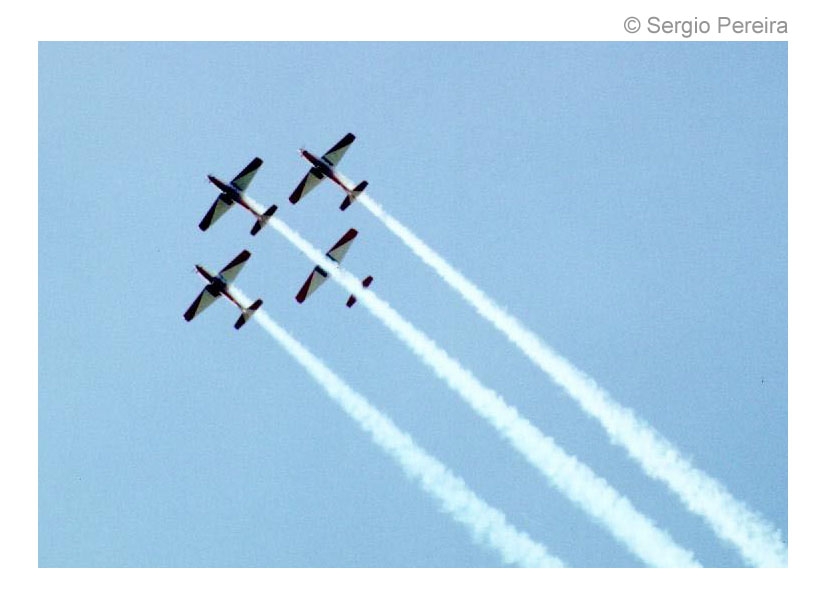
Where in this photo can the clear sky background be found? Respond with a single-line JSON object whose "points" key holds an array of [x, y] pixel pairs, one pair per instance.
{"points": [[628, 202]]}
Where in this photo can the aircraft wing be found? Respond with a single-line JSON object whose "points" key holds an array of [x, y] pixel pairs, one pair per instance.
{"points": [[231, 270], [243, 179], [310, 181], [219, 207], [339, 250], [319, 276], [313, 282], [204, 299], [335, 154]]}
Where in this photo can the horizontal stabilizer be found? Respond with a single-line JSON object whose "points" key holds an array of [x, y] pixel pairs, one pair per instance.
{"points": [[262, 220], [353, 195], [247, 313], [352, 299]]}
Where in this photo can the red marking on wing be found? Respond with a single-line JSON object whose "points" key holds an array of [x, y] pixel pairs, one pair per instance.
{"points": [[302, 295]]}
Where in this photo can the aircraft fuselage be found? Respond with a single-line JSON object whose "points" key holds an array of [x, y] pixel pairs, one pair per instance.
{"points": [[323, 167], [216, 283], [232, 194], [217, 286]]}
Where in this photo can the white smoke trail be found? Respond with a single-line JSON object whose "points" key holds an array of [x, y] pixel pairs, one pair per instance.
{"points": [[574, 479], [486, 524], [757, 540]]}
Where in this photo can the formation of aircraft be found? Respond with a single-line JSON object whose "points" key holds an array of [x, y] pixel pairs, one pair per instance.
{"points": [[234, 193]]}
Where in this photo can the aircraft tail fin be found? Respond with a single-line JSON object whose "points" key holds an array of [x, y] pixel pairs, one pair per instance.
{"points": [[352, 299], [262, 220], [246, 313], [353, 195]]}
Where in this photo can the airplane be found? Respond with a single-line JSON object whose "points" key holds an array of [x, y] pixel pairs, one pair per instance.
{"points": [[218, 285], [234, 193], [325, 167], [318, 276]]}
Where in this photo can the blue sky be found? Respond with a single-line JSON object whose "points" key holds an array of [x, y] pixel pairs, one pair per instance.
{"points": [[627, 201]]}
